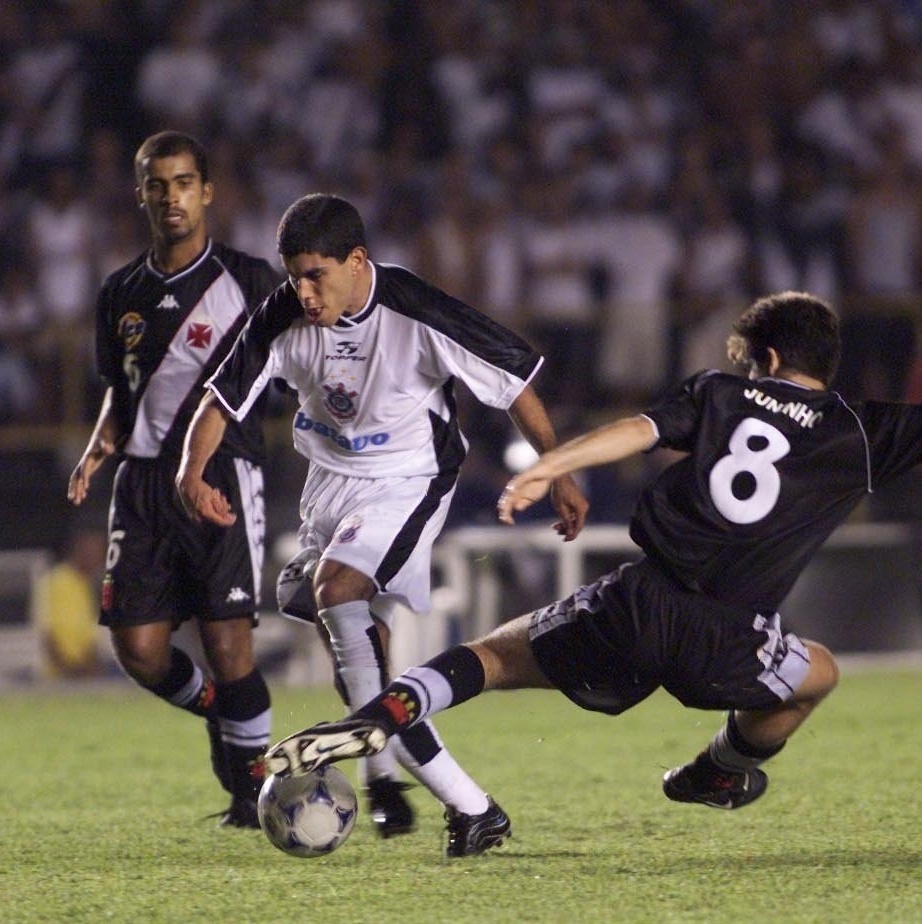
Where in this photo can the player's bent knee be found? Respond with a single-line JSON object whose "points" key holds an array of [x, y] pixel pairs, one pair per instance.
{"points": [[229, 655], [823, 675], [144, 667]]}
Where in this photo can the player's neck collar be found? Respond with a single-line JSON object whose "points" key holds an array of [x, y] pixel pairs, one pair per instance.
{"points": [[353, 319], [183, 270], [790, 381]]}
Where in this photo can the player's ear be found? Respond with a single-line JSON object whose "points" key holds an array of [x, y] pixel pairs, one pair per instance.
{"points": [[774, 361], [357, 259], [207, 193], [139, 196]]}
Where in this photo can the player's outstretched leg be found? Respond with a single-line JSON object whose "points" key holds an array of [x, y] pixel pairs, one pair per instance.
{"points": [[323, 744]]}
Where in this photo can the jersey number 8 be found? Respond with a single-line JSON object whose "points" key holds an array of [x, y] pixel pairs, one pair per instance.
{"points": [[745, 484]]}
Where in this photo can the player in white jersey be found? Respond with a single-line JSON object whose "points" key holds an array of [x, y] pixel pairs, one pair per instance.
{"points": [[163, 323], [372, 352]]}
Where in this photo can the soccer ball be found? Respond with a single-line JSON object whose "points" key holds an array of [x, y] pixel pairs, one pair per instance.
{"points": [[307, 815]]}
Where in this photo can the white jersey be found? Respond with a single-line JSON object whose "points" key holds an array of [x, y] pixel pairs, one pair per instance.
{"points": [[376, 389]]}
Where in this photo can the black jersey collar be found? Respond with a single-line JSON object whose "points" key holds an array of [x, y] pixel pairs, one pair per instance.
{"points": [[783, 381], [189, 268]]}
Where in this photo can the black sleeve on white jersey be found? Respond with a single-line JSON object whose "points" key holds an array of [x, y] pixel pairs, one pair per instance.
{"points": [[241, 372], [405, 293]]}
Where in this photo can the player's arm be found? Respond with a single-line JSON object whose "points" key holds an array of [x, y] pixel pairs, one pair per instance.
{"points": [[531, 418], [206, 430], [608, 443], [100, 446]]}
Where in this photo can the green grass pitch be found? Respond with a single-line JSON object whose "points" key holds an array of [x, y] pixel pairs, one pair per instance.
{"points": [[103, 792]]}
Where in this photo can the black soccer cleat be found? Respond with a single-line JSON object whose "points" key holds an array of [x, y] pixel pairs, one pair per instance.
{"points": [[322, 744], [703, 782], [469, 835], [390, 811], [241, 814]]}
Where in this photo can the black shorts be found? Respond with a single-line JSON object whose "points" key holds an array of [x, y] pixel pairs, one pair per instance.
{"points": [[162, 566], [614, 642]]}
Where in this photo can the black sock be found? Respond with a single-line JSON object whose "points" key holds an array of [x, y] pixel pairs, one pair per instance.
{"points": [[242, 707], [409, 697], [736, 739], [730, 751], [185, 686]]}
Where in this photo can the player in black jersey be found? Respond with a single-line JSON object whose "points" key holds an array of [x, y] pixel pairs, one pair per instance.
{"points": [[772, 463], [163, 323]]}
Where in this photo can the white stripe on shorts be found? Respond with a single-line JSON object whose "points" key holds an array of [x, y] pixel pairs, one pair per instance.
{"points": [[785, 657], [252, 499]]}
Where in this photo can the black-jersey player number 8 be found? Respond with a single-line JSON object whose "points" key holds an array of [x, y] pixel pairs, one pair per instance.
{"points": [[745, 484]]}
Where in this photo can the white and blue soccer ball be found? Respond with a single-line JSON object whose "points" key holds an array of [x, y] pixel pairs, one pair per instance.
{"points": [[309, 815]]}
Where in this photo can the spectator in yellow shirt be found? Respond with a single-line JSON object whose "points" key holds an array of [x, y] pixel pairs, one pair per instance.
{"points": [[68, 608]]}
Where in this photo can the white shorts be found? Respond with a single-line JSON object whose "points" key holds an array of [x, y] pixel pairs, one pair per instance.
{"points": [[383, 527]]}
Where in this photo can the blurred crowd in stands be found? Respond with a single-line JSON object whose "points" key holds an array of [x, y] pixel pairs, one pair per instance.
{"points": [[614, 178]]}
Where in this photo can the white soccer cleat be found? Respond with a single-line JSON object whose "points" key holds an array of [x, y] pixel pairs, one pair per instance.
{"points": [[322, 744]]}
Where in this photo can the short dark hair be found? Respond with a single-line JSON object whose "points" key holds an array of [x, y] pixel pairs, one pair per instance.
{"points": [[169, 144], [801, 328], [322, 224]]}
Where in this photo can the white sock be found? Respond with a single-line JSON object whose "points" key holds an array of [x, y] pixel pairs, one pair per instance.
{"points": [[349, 626], [444, 777]]}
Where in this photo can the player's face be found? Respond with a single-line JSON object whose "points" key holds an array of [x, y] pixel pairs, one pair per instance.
{"points": [[175, 198], [326, 288]]}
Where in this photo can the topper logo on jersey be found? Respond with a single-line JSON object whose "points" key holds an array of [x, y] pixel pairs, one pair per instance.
{"points": [[131, 327], [347, 349], [355, 444], [339, 402], [198, 335], [168, 301]]}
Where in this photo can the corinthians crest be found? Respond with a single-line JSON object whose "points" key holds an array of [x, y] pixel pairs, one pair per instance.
{"points": [[339, 401]]}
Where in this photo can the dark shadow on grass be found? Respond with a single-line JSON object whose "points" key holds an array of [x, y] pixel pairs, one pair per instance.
{"points": [[891, 859]]}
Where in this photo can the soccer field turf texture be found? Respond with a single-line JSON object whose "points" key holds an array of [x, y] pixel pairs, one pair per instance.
{"points": [[105, 789]]}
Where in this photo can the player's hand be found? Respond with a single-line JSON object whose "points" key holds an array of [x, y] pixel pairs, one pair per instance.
{"points": [[519, 494], [203, 502], [78, 486], [571, 506]]}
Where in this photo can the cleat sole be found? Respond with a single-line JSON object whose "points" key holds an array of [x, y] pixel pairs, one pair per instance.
{"points": [[313, 748]]}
